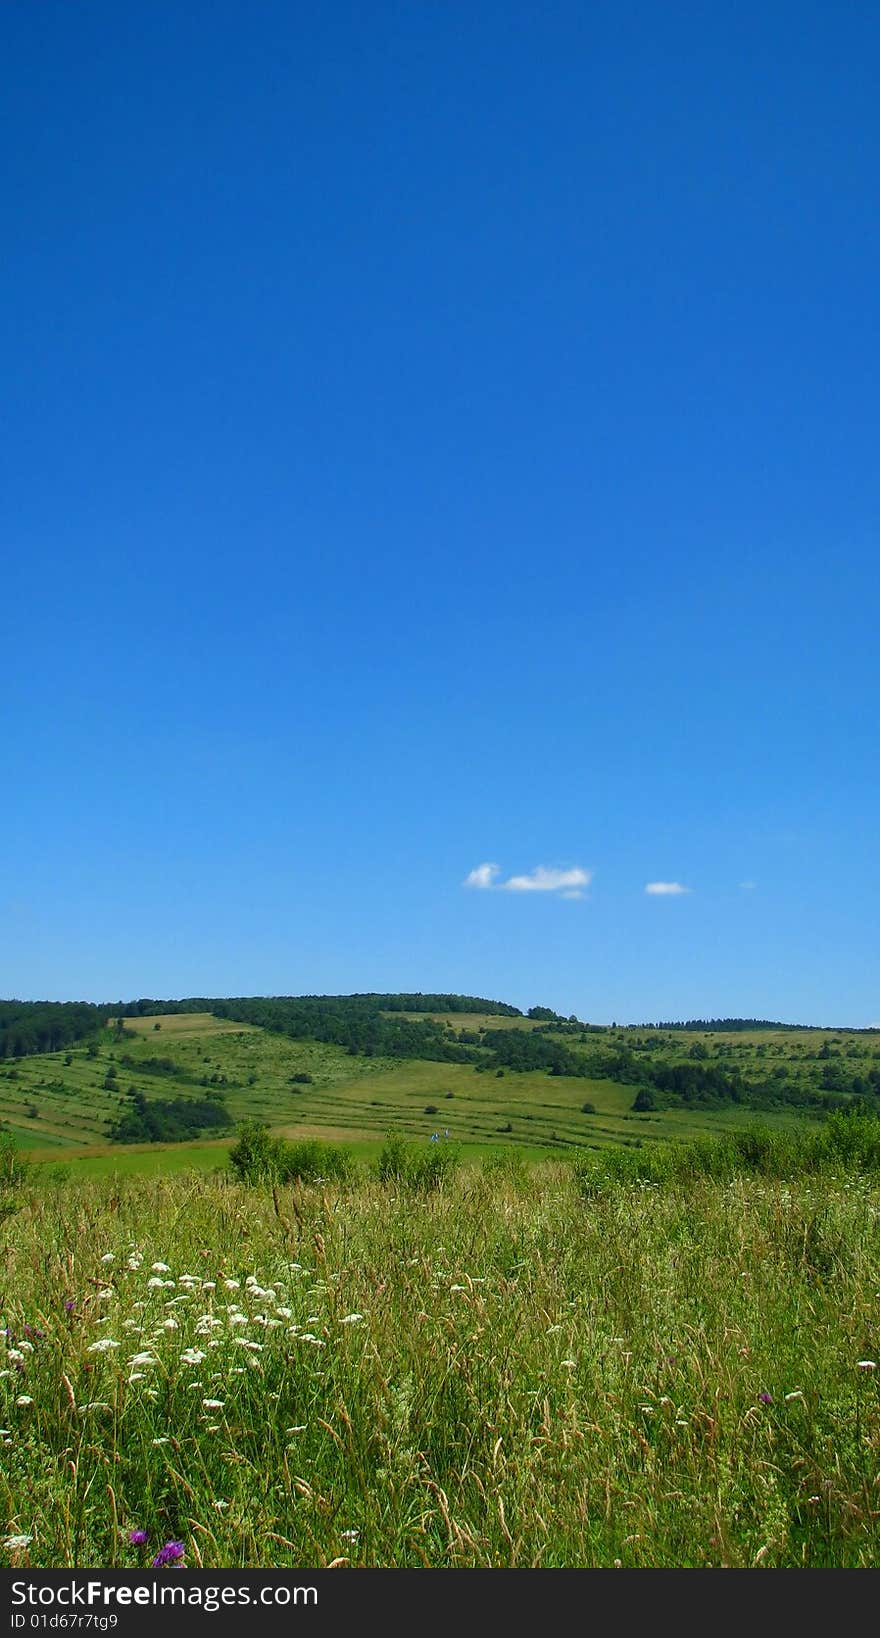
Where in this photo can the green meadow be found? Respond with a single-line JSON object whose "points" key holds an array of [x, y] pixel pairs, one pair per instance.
{"points": [[544, 1365]]}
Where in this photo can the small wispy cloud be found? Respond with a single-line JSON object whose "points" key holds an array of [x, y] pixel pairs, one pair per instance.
{"points": [[568, 884], [666, 889], [483, 876], [747, 887]]}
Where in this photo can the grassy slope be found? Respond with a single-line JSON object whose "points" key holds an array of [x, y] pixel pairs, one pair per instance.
{"points": [[358, 1098]]}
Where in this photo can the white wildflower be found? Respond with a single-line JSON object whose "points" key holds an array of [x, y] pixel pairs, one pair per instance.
{"points": [[102, 1346], [161, 1268], [24, 1399], [13, 1543], [213, 1404], [355, 1319]]}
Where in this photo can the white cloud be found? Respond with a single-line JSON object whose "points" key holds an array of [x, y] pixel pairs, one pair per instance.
{"points": [[748, 887], [483, 876], [569, 884], [542, 880], [665, 889]]}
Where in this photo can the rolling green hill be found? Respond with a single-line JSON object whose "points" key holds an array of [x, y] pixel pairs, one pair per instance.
{"points": [[489, 1078]]}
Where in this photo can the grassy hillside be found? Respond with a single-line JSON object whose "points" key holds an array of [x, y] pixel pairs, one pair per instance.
{"points": [[64, 1104], [59, 1104]]}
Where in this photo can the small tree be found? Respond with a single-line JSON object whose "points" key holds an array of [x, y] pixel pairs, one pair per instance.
{"points": [[256, 1156]]}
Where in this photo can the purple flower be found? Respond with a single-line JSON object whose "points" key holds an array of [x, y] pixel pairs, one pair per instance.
{"points": [[766, 1398], [137, 1537], [70, 1305], [169, 1554]]}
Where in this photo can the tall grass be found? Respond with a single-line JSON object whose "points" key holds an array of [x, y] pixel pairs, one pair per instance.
{"points": [[844, 1143], [492, 1371]]}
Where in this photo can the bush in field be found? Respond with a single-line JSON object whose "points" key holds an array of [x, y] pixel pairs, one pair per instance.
{"points": [[255, 1156], [414, 1166], [507, 1166], [260, 1157], [311, 1161]]}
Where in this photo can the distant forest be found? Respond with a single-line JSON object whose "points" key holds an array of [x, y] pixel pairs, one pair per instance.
{"points": [[46, 1026], [356, 1022], [383, 1026]]}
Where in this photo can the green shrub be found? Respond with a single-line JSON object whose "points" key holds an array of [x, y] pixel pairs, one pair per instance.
{"points": [[507, 1166], [259, 1156], [414, 1166]]}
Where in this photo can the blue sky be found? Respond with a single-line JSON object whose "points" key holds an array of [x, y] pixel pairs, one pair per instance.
{"points": [[441, 437]]}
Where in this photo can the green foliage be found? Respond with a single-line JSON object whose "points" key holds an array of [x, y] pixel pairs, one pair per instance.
{"points": [[421, 1168], [14, 1173], [45, 1026], [508, 1166], [168, 1120], [522, 1050], [258, 1156], [845, 1143]]}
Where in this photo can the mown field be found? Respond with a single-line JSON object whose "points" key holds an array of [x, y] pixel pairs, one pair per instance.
{"points": [[521, 1367], [59, 1106]]}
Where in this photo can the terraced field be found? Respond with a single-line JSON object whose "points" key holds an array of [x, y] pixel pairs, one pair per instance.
{"points": [[60, 1105]]}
